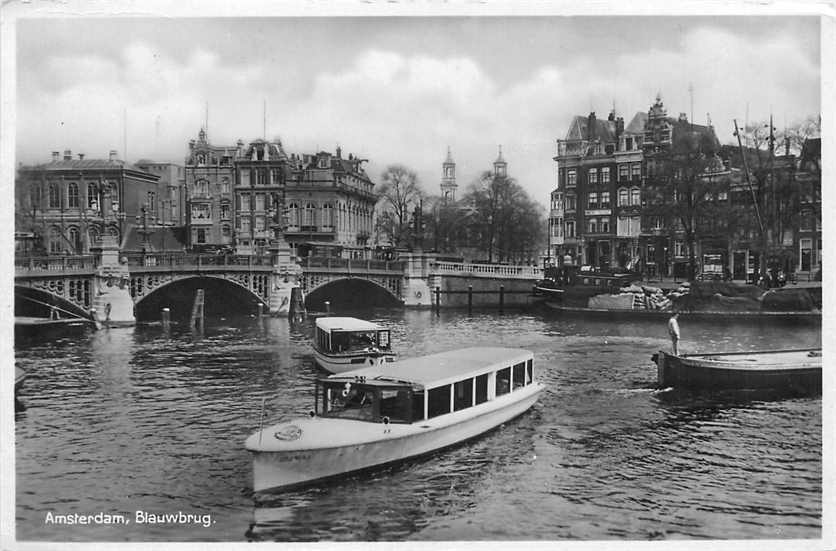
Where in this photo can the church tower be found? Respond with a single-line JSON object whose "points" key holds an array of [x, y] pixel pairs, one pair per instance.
{"points": [[448, 180], [500, 167]]}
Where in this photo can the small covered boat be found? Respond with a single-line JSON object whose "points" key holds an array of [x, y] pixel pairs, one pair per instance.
{"points": [[383, 414], [342, 344], [797, 371]]}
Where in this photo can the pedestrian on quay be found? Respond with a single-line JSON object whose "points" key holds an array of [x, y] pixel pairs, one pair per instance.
{"points": [[673, 330]]}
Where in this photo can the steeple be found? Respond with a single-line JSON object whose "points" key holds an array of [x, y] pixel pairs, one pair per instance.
{"points": [[448, 178], [500, 167]]}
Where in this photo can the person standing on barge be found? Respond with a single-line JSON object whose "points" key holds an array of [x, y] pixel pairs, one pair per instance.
{"points": [[673, 330]]}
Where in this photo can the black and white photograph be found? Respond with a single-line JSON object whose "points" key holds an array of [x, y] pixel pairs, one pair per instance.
{"points": [[437, 274]]}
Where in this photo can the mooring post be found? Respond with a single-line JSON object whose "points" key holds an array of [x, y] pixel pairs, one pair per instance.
{"points": [[260, 309], [437, 300], [501, 297], [469, 298], [166, 319], [197, 310], [328, 307]]}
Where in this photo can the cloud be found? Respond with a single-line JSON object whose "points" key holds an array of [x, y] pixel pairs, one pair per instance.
{"points": [[396, 107]]}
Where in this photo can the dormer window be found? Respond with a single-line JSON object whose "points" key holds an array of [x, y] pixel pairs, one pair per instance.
{"points": [[323, 162]]}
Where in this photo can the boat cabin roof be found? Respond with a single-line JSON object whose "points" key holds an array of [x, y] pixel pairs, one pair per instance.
{"points": [[346, 324], [441, 368]]}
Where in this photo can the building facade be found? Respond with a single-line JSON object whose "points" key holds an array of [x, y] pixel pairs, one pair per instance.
{"points": [[209, 175], [68, 204], [169, 209]]}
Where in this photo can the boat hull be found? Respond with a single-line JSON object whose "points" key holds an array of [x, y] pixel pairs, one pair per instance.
{"points": [[340, 363], [768, 371], [275, 471]]}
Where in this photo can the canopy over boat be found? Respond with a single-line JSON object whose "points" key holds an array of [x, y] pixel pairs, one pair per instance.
{"points": [[441, 368], [347, 324]]}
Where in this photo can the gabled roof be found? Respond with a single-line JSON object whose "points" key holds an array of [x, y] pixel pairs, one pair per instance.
{"points": [[636, 125], [579, 129], [88, 164]]}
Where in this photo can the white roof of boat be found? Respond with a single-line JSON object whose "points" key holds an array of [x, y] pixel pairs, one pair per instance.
{"points": [[443, 367], [346, 324]]}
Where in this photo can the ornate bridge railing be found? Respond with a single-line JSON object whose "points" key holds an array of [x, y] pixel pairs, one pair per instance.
{"points": [[504, 271], [50, 265], [190, 260]]}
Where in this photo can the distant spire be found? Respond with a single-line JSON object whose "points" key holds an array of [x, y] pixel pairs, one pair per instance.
{"points": [[500, 159], [449, 156]]}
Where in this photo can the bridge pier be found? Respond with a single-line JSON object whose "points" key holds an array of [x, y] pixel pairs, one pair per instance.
{"points": [[112, 301], [417, 280], [285, 289]]}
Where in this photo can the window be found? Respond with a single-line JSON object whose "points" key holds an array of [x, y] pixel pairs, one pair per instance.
{"points": [[593, 225], [592, 199], [519, 375], [224, 211], [323, 162], [225, 184], [438, 401], [201, 188], [482, 389], [75, 239], [328, 216], [244, 202], [623, 172], [93, 235], [245, 224], [605, 175], [593, 175], [635, 196], [605, 199], [462, 394], [293, 214], [201, 211], [623, 197], [571, 202], [201, 235], [503, 381], [628, 144], [570, 228], [571, 178], [226, 231], [72, 195], [723, 196], [529, 372], [259, 223], [679, 248], [245, 178], [55, 239], [152, 201], [259, 201], [54, 196], [605, 225], [309, 215], [636, 170]]}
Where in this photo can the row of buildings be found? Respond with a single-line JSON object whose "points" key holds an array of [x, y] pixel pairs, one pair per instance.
{"points": [[239, 198], [625, 199]]}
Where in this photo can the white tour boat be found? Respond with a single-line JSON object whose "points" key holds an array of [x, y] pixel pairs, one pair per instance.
{"points": [[386, 413], [344, 344]]}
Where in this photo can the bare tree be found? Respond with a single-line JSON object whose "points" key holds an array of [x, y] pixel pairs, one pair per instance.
{"points": [[399, 192]]}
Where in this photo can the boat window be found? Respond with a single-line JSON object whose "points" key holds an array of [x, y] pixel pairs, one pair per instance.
{"points": [[417, 405], [350, 402], [519, 375], [345, 341], [383, 339], [503, 381], [529, 375], [396, 404], [462, 394], [482, 388], [439, 401]]}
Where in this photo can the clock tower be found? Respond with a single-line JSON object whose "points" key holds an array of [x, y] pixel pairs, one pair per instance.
{"points": [[448, 179]]}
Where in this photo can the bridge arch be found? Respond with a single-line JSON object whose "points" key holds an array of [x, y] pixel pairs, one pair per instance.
{"points": [[350, 293], [32, 301], [223, 296]]}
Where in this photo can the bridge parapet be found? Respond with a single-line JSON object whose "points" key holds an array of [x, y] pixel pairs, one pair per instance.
{"points": [[501, 271], [51, 265]]}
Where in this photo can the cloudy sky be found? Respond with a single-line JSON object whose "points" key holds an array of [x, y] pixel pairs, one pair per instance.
{"points": [[398, 90]]}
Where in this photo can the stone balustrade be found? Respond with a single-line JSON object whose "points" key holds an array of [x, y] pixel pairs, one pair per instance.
{"points": [[504, 271]]}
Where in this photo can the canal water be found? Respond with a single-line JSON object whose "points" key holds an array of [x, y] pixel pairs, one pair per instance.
{"points": [[140, 419]]}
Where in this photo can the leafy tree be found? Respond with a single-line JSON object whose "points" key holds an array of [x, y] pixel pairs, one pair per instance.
{"points": [[399, 193]]}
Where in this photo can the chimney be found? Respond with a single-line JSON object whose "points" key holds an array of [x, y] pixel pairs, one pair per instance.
{"points": [[68, 155], [56, 156], [81, 156], [611, 116], [683, 117], [112, 156], [590, 126], [339, 153], [619, 126]]}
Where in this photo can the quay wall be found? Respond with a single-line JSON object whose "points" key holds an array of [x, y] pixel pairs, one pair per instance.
{"points": [[486, 291]]}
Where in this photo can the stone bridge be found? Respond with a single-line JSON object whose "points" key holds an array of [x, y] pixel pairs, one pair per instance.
{"points": [[109, 285]]}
